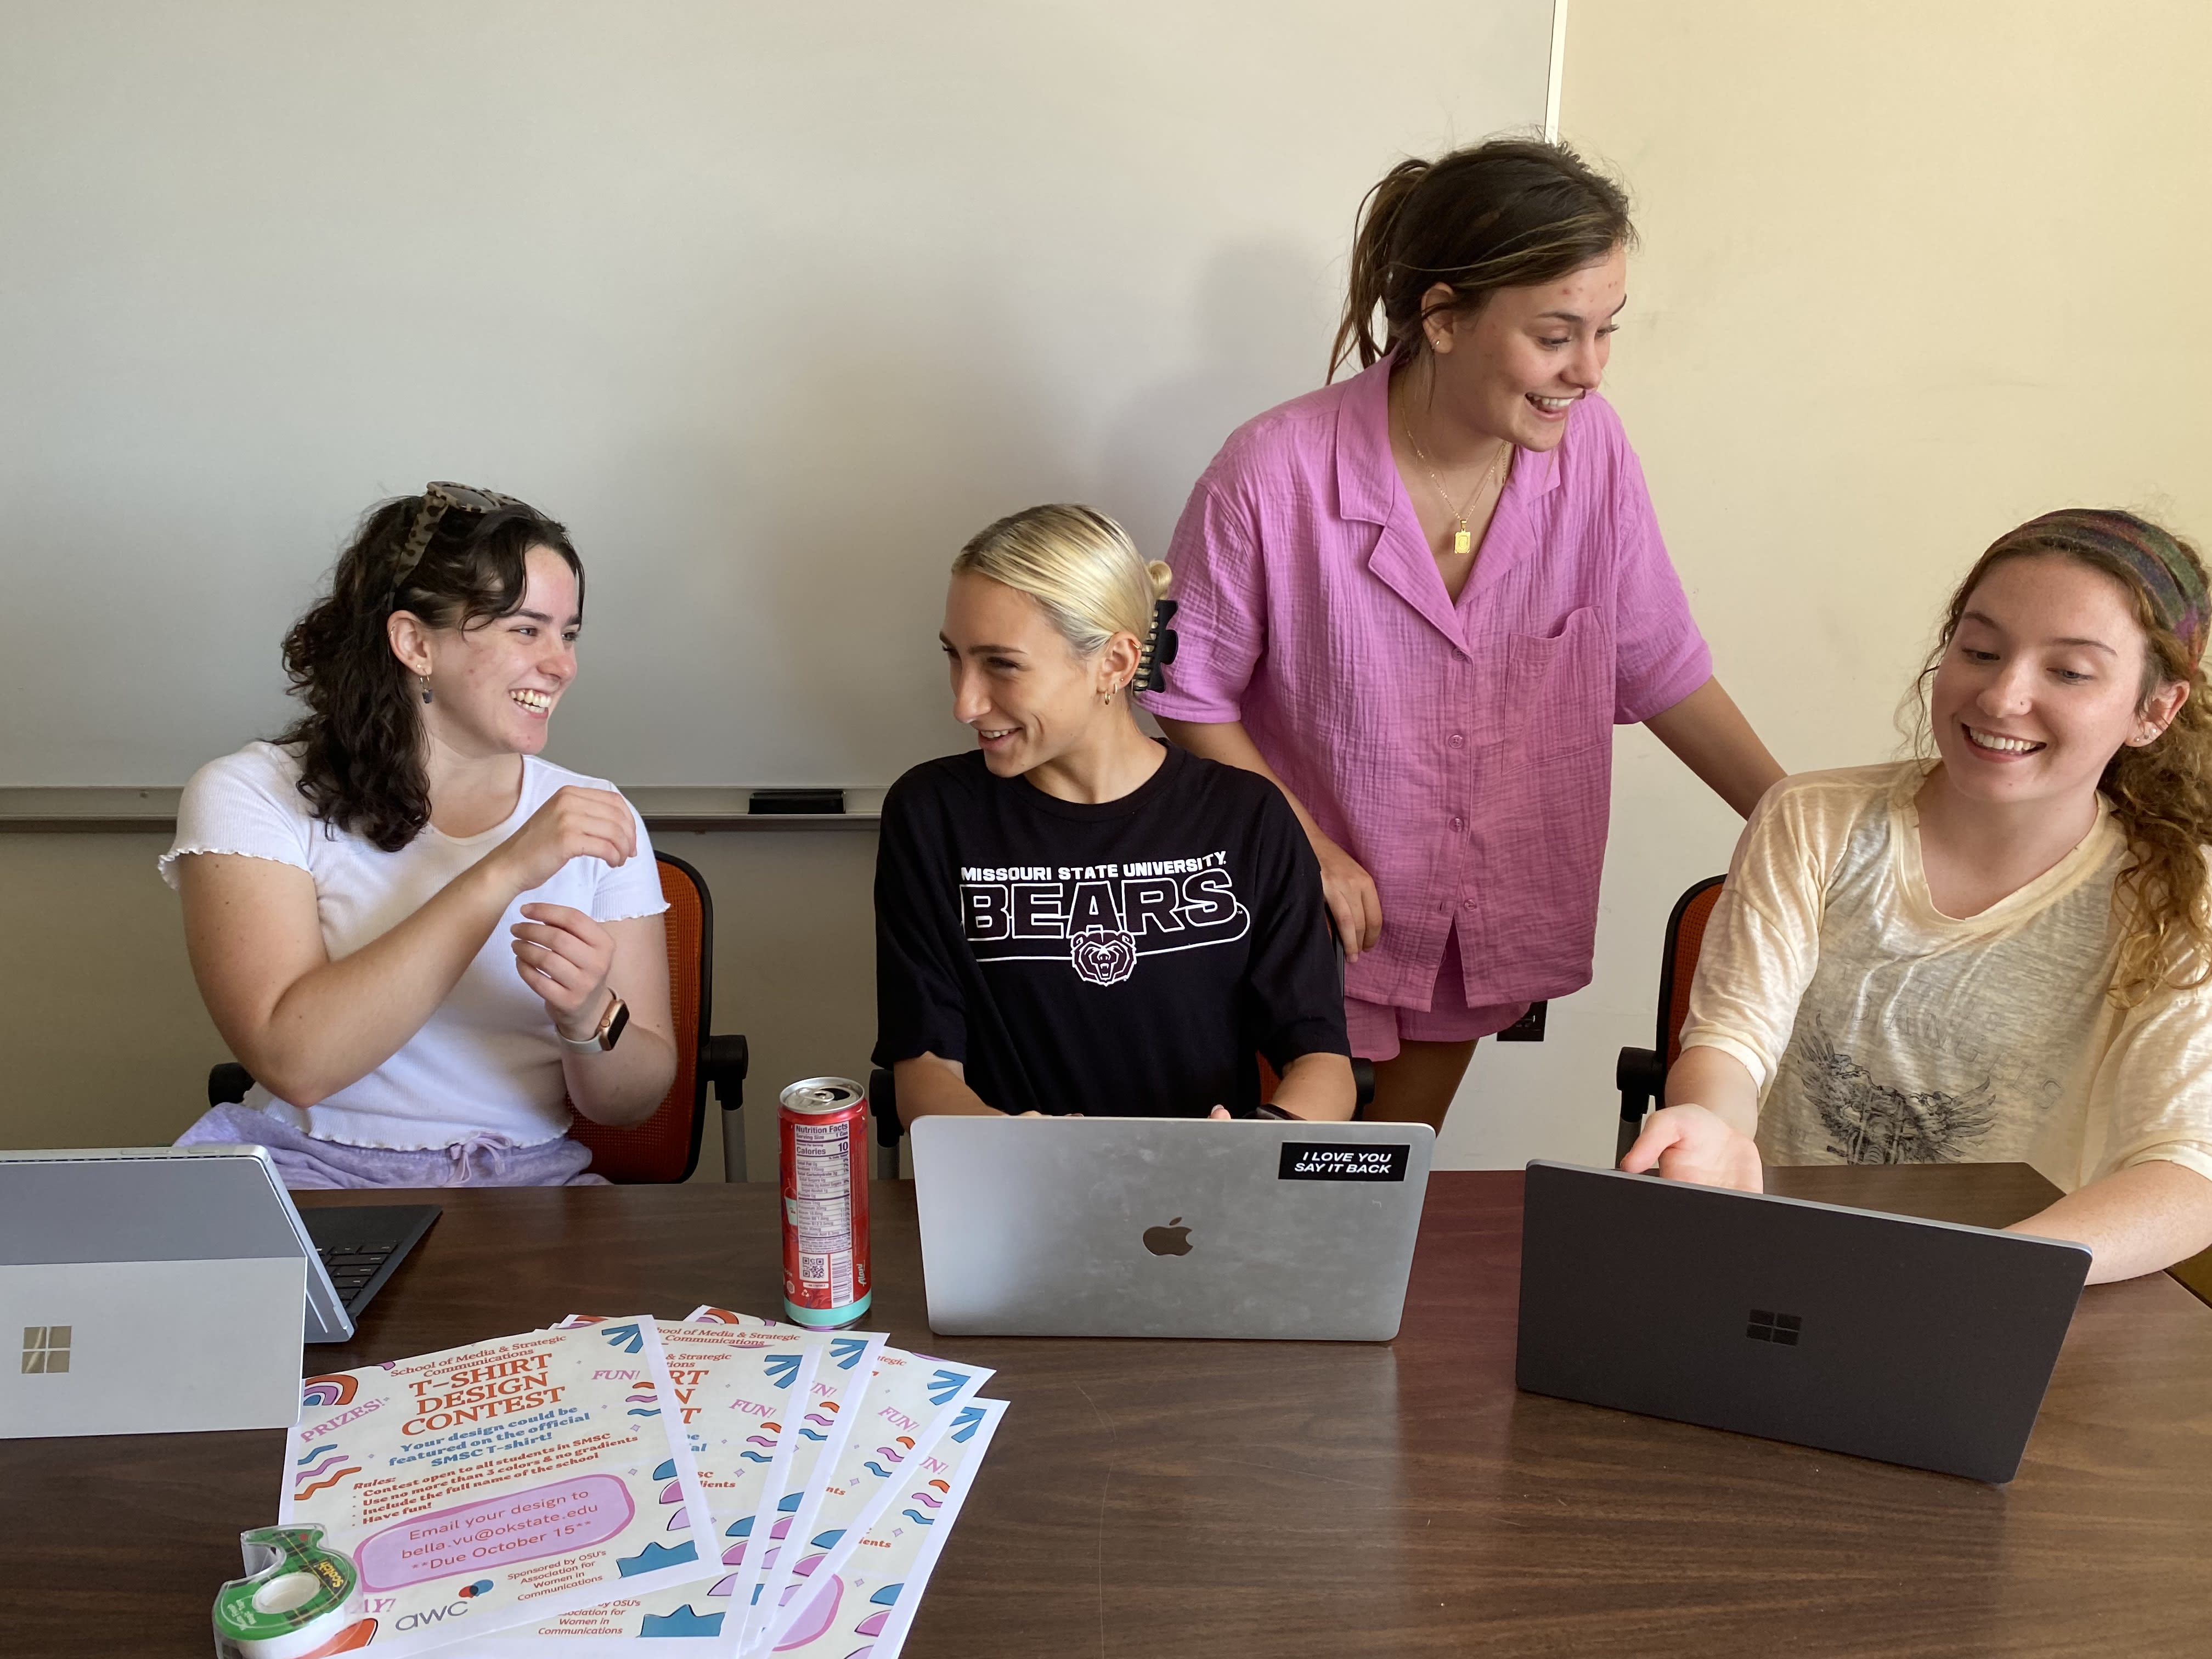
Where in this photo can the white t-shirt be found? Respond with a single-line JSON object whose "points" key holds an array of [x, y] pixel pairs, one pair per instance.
{"points": [[488, 1058], [1880, 1030]]}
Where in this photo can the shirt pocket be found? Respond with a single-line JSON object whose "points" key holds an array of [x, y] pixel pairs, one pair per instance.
{"points": [[1557, 690]]}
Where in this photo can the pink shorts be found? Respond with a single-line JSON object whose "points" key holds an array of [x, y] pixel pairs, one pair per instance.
{"points": [[1377, 1028]]}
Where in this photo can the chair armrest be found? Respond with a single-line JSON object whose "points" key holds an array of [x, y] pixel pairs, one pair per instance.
{"points": [[1641, 1079], [724, 1061], [1641, 1076], [883, 1106], [228, 1084], [1363, 1084]]}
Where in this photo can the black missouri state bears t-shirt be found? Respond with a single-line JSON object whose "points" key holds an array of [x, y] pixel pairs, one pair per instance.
{"points": [[1126, 959]]}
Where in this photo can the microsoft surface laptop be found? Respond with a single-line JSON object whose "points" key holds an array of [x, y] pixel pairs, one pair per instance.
{"points": [[1919, 1342], [159, 1289], [1100, 1226]]}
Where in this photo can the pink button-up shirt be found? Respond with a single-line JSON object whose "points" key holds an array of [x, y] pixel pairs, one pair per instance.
{"points": [[1462, 753]]}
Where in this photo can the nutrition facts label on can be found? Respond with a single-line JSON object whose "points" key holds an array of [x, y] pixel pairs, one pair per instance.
{"points": [[822, 1206]]}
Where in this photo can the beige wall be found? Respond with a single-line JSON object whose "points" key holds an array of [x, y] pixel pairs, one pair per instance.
{"points": [[1910, 274], [111, 1046]]}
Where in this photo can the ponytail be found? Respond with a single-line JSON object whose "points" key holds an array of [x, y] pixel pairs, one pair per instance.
{"points": [[1506, 214], [1371, 264]]}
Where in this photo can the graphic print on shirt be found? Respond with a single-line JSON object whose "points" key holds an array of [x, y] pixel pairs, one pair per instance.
{"points": [[1100, 919], [1870, 1122]]}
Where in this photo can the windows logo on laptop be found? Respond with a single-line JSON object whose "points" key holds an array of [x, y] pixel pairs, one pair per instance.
{"points": [[46, 1349]]}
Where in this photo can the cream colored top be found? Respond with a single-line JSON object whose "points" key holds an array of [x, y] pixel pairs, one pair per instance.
{"points": [[1881, 1031]]}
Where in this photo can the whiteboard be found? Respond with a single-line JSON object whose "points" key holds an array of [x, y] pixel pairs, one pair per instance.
{"points": [[774, 307]]}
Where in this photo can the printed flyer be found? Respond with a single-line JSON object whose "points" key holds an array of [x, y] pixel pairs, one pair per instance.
{"points": [[735, 1390], [489, 1486], [864, 1610], [823, 1428], [911, 1403]]}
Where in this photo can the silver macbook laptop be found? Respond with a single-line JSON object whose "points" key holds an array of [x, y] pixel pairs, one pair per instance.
{"points": [[1100, 1226], [154, 1290], [1917, 1342]]}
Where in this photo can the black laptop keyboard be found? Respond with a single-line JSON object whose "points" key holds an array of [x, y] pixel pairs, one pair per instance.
{"points": [[352, 1265]]}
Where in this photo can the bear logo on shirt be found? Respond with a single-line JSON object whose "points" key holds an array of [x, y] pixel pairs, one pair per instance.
{"points": [[1102, 956], [1100, 919]]}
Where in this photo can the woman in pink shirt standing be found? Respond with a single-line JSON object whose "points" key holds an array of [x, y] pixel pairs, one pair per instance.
{"points": [[1419, 599]]}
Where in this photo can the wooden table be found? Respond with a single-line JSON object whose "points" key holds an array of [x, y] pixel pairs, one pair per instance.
{"points": [[1162, 1499]]}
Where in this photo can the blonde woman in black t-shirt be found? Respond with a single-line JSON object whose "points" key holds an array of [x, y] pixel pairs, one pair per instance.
{"points": [[1073, 917]]}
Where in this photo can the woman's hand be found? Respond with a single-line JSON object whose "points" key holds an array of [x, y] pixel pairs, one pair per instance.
{"points": [[1344, 884], [574, 824], [1353, 904], [1688, 1143], [565, 957]]}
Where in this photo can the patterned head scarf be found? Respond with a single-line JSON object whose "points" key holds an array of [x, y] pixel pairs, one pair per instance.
{"points": [[2175, 583]]}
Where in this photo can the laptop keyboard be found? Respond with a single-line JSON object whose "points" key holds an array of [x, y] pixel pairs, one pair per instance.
{"points": [[352, 1265]]}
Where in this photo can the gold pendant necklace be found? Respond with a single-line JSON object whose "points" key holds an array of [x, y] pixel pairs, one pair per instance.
{"points": [[1462, 539]]}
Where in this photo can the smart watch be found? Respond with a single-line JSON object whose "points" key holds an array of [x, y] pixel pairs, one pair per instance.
{"points": [[609, 1028]]}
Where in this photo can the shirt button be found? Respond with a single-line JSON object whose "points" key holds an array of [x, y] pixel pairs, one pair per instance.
{"points": [[1459, 824], [1457, 740], [1468, 904]]}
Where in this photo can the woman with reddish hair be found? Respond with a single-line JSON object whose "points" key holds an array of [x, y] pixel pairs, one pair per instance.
{"points": [[2003, 952]]}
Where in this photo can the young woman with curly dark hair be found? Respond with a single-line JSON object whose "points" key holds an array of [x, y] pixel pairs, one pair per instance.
{"points": [[2001, 951], [407, 926]]}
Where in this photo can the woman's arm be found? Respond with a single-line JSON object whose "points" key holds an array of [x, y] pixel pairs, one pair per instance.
{"points": [[1703, 1132], [1319, 1087], [1709, 734], [306, 1026], [1760, 949], [929, 1086], [1345, 883], [577, 964], [2135, 1221]]}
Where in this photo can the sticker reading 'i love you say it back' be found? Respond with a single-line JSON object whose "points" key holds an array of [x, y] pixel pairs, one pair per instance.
{"points": [[1340, 1160]]}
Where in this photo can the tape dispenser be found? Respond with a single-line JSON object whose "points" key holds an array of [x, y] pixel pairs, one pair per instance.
{"points": [[292, 1604]]}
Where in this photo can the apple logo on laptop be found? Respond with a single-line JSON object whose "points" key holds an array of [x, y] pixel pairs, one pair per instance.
{"points": [[1174, 1239]]}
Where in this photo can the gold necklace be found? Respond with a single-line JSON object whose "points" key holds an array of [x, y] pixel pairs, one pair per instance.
{"points": [[1462, 540]]}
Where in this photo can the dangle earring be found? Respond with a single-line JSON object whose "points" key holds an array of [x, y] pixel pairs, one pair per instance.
{"points": [[426, 688]]}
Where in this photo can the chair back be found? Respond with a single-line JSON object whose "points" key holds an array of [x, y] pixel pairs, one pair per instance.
{"points": [[664, 1147], [1686, 936]]}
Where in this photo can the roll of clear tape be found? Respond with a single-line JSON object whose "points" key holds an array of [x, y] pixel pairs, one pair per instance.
{"points": [[292, 1601]]}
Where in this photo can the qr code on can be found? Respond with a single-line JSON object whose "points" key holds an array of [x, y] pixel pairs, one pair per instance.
{"points": [[813, 1269]]}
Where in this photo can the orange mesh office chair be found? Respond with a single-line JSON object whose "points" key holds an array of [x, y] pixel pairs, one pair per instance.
{"points": [[1641, 1073], [664, 1147]]}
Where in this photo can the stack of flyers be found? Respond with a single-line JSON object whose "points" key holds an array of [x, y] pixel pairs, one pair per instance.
{"points": [[735, 1391], [911, 1403], [534, 1493], [864, 1608], [495, 1485], [814, 1474]]}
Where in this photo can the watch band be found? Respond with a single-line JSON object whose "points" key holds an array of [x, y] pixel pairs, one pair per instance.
{"points": [[608, 1031]]}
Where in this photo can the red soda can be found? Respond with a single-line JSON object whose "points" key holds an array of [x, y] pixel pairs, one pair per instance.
{"points": [[823, 1129]]}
